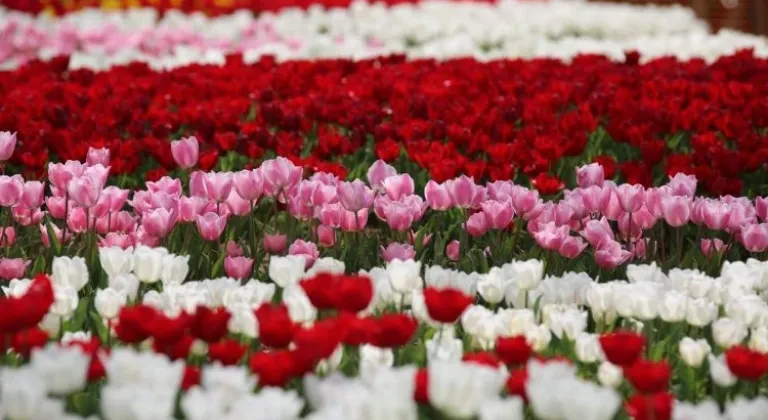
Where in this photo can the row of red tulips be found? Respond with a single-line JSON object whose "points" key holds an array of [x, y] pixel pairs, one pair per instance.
{"points": [[519, 120]]}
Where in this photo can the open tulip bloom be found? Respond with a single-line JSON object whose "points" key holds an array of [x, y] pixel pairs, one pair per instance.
{"points": [[255, 232]]}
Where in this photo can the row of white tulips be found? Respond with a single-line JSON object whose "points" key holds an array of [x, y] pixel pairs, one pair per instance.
{"points": [[435, 29]]}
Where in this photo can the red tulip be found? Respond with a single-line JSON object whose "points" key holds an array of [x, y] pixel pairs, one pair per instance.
{"points": [[648, 377], [446, 305], [622, 348]]}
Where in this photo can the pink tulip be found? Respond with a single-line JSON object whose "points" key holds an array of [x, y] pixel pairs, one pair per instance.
{"points": [[323, 194], [402, 252], [167, 185], [98, 173], [524, 201], [761, 208], [353, 222], [398, 186], [249, 184], [597, 232], [236, 205], [7, 145], [452, 250], [218, 185], [185, 152], [498, 214], [211, 226], [550, 236], [59, 174], [610, 254], [77, 220], [572, 247], [682, 185], [57, 233], [13, 268], [465, 193], [611, 207], [120, 240], [631, 197], [27, 217], [32, 195], [716, 214], [124, 222], [55, 206], [710, 246], [158, 222], [563, 214], [653, 197], [589, 175], [500, 190], [676, 210], [111, 199], [755, 237], [575, 202], [238, 267], [7, 236], [377, 173], [191, 207], [477, 224], [233, 249], [740, 216], [11, 190], [84, 191], [276, 243], [279, 175], [306, 249], [355, 195], [197, 184], [595, 198], [398, 216], [97, 156], [326, 236], [141, 237], [638, 248], [437, 195]]}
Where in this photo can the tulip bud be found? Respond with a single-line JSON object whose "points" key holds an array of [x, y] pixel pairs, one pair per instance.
{"points": [[108, 302], [727, 332], [7, 145], [719, 371], [693, 351], [609, 375], [185, 152]]}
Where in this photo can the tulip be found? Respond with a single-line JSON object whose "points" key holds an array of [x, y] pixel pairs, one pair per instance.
{"points": [[7, 236], [676, 210], [610, 255], [288, 270], [727, 332], [11, 190], [218, 185], [465, 193], [167, 185], [306, 249], [233, 249], [551, 237], [58, 234], [68, 271], [631, 197], [398, 251], [761, 208], [682, 185], [437, 196], [108, 302], [589, 175], [355, 195], [13, 268], [185, 152], [234, 204], [452, 250], [622, 348], [378, 172], [7, 145], [477, 224], [97, 156], [610, 375], [719, 371], [238, 267], [158, 222], [693, 352], [572, 247], [191, 207], [114, 239], [211, 226], [398, 186], [279, 175], [84, 191], [755, 237], [249, 184], [710, 246], [116, 261], [275, 243], [498, 214]]}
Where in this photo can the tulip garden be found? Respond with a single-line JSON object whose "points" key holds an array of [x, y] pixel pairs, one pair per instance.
{"points": [[433, 210]]}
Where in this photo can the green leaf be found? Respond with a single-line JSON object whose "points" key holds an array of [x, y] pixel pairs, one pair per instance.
{"points": [[54, 241]]}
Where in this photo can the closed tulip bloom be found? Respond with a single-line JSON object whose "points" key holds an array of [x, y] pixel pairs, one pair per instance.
{"points": [[238, 267], [185, 152], [465, 193], [7, 236], [97, 156], [610, 255], [631, 197], [682, 185], [761, 208], [158, 222], [693, 352], [755, 237], [218, 185], [32, 195], [676, 210], [572, 247], [551, 236], [275, 243], [211, 226], [11, 190], [477, 224], [452, 250], [108, 302], [249, 184], [398, 186], [279, 175], [727, 332], [589, 175], [398, 251], [437, 196], [191, 207], [710, 247], [498, 214], [377, 173], [306, 249], [355, 195], [326, 236], [13, 268], [7, 145], [719, 372]]}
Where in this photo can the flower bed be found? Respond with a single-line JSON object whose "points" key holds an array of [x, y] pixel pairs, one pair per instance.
{"points": [[502, 120], [432, 29]]}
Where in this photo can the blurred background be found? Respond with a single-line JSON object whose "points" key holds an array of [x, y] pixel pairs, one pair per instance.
{"points": [[744, 15]]}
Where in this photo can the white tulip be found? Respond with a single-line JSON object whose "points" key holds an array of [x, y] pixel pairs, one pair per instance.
{"points": [[21, 391], [65, 300], [199, 404], [17, 287], [243, 321], [568, 324], [673, 306], [127, 283], [326, 265], [444, 347], [700, 312], [510, 408], [142, 403], [269, 404], [727, 333], [704, 410], [51, 324], [758, 339], [68, 271], [609, 375], [231, 381], [373, 358], [719, 371], [148, 263], [538, 337], [588, 348], [287, 270], [491, 287], [108, 302], [300, 308], [115, 260], [175, 269], [527, 274], [693, 352], [459, 390], [404, 276], [514, 322], [331, 363], [645, 273], [64, 369]]}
